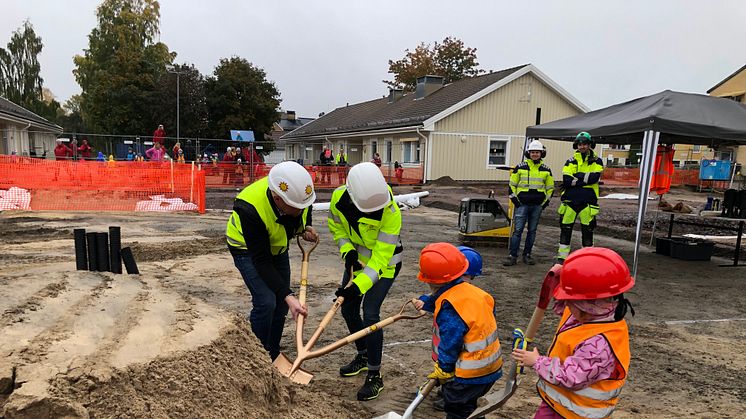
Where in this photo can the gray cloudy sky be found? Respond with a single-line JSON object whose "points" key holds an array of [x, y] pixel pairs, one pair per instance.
{"points": [[323, 54]]}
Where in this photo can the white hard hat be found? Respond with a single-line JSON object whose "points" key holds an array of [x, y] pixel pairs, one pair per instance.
{"points": [[367, 187], [535, 145], [291, 182]]}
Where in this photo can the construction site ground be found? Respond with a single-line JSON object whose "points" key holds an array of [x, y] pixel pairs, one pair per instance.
{"points": [[174, 341]]}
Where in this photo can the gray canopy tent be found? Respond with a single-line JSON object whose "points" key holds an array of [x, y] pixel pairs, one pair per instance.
{"points": [[667, 117]]}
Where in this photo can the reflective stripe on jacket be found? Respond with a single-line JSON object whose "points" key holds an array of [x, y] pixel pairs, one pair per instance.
{"points": [[375, 236], [531, 182], [256, 195], [599, 399], [480, 354], [580, 178]]}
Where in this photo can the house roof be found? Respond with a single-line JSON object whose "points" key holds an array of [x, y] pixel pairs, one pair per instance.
{"points": [[726, 79], [407, 111], [18, 113]]}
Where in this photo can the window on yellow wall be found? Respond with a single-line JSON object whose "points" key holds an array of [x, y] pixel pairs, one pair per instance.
{"points": [[411, 151], [497, 153]]}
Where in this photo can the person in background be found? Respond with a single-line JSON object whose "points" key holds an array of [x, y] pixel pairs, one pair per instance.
{"points": [[158, 135], [580, 177], [139, 157], [399, 171], [85, 149], [180, 157], [531, 187], [62, 152], [266, 215], [586, 368], [341, 162], [326, 159], [100, 156], [376, 159], [155, 153], [130, 154], [229, 158], [176, 149]]}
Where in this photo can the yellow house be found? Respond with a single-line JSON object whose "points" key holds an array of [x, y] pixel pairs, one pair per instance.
{"points": [[733, 87], [465, 129]]}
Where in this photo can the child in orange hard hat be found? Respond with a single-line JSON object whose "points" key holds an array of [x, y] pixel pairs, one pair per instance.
{"points": [[465, 346], [587, 365]]}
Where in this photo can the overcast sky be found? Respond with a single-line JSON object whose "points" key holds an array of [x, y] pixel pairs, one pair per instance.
{"points": [[324, 54]]}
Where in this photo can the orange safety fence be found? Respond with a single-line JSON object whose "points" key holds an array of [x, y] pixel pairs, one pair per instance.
{"points": [[100, 186], [232, 175], [630, 176]]}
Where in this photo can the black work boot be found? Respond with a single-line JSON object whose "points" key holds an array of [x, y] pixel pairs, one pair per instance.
{"points": [[372, 387], [358, 365], [528, 260], [510, 261]]}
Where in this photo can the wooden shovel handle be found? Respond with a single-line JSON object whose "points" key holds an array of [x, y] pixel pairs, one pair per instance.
{"points": [[303, 290]]}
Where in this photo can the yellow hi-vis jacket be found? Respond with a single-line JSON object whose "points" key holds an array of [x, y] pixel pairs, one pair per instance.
{"points": [[580, 177], [481, 354], [257, 196], [599, 399], [375, 236], [531, 183]]}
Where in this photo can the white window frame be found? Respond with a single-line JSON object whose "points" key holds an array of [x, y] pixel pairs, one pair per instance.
{"points": [[506, 140], [373, 147], [388, 150], [415, 148]]}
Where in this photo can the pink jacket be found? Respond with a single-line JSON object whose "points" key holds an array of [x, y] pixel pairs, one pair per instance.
{"points": [[155, 154]]}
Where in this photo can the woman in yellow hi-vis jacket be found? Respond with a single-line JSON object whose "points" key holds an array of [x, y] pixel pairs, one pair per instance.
{"points": [[365, 222]]}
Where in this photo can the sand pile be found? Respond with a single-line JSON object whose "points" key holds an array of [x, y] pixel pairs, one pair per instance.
{"points": [[229, 378]]}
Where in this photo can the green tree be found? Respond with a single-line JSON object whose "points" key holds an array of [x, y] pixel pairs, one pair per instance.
{"points": [[119, 70], [72, 118], [192, 104], [450, 59], [20, 79], [239, 96]]}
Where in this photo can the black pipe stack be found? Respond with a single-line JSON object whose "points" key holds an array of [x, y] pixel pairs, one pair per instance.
{"points": [[104, 252], [81, 257], [115, 249], [91, 240]]}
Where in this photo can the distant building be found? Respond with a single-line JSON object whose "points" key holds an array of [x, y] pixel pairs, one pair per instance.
{"points": [[732, 87], [465, 129], [287, 123], [23, 131]]}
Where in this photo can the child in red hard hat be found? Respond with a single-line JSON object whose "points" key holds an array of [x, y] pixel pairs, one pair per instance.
{"points": [[465, 346], [588, 361]]}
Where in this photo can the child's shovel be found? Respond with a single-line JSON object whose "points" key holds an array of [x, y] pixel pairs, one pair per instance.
{"points": [[421, 394], [497, 399]]}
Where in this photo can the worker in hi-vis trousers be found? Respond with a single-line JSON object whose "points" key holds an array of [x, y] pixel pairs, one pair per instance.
{"points": [[580, 177]]}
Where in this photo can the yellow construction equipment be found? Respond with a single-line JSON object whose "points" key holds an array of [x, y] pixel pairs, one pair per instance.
{"points": [[483, 220]]}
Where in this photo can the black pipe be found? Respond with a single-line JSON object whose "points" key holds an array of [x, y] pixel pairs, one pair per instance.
{"points": [[129, 261], [102, 251], [115, 247], [81, 258], [91, 240]]}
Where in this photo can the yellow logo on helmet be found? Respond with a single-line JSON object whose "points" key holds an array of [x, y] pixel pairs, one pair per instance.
{"points": [[283, 186], [309, 190]]}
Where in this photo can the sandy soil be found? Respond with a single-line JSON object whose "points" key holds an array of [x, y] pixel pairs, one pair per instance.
{"points": [[173, 342]]}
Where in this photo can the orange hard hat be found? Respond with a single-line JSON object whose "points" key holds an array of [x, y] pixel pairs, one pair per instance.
{"points": [[441, 263], [593, 272]]}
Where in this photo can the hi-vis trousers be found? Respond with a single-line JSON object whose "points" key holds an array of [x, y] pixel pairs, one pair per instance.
{"points": [[568, 213]]}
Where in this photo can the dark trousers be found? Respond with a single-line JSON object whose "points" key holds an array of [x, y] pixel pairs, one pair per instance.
{"points": [[460, 400], [371, 302], [268, 311]]}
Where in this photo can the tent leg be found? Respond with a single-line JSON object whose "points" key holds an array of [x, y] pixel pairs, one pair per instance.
{"points": [[650, 145]]}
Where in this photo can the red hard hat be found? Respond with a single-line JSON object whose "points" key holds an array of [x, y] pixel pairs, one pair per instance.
{"points": [[441, 263], [593, 272]]}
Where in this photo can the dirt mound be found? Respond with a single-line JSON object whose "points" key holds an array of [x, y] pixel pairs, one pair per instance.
{"points": [[147, 252], [444, 181], [229, 378]]}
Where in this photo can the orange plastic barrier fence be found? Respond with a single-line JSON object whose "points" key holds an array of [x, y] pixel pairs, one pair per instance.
{"points": [[101, 186], [618, 176], [231, 175]]}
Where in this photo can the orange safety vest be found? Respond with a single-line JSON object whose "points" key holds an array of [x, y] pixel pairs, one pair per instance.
{"points": [[662, 170], [599, 399], [480, 354]]}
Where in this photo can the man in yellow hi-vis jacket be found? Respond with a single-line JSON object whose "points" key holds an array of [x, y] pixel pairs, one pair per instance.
{"points": [[365, 222], [266, 215], [580, 177]]}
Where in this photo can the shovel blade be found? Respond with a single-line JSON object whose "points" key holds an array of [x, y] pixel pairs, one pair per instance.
{"points": [[284, 366], [389, 415], [497, 399]]}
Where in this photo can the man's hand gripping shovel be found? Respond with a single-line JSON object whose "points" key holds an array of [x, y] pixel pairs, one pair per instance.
{"points": [[521, 340], [293, 370]]}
